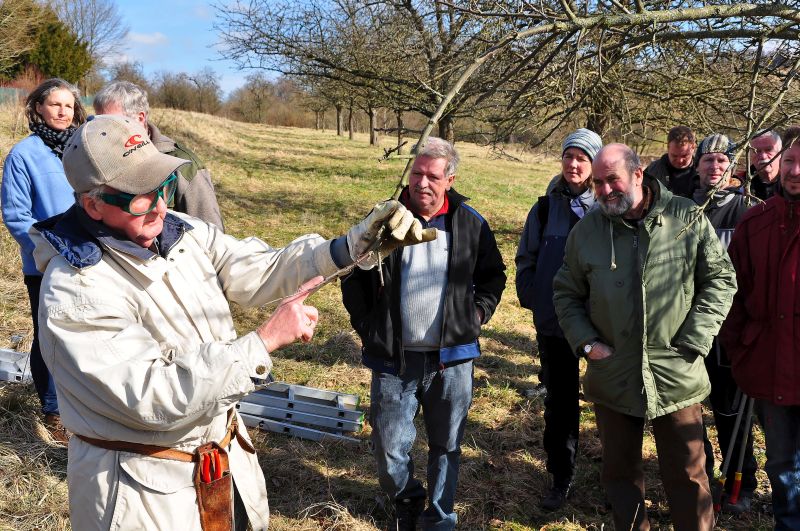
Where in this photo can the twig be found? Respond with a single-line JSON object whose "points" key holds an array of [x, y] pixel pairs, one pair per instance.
{"points": [[388, 151], [750, 119]]}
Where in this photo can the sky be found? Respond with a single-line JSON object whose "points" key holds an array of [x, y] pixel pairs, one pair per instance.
{"points": [[175, 36]]}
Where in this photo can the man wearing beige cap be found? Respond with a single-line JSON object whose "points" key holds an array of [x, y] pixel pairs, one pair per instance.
{"points": [[137, 331]]}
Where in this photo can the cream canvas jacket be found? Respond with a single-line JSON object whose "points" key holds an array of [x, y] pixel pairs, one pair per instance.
{"points": [[145, 351]]}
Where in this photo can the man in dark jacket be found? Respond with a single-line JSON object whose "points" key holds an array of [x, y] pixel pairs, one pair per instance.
{"points": [[539, 256], [675, 169], [419, 323], [644, 288], [765, 157], [195, 194], [724, 209], [762, 332]]}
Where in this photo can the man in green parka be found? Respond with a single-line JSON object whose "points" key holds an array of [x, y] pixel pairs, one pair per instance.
{"points": [[644, 287]]}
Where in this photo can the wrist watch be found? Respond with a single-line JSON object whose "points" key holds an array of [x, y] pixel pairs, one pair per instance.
{"points": [[587, 348]]}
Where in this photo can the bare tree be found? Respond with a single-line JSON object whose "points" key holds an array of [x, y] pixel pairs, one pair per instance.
{"points": [[526, 68], [129, 71], [98, 23], [404, 53], [208, 93]]}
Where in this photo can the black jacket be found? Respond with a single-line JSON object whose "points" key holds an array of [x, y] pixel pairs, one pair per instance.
{"points": [[723, 211], [680, 182], [475, 278]]}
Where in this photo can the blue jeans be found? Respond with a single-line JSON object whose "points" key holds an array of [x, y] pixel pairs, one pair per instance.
{"points": [[782, 434], [444, 396], [42, 379]]}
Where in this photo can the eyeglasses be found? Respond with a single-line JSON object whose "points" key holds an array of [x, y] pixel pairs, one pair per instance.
{"points": [[141, 204]]}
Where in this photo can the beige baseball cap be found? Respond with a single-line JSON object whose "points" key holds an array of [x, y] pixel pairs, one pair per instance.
{"points": [[115, 151]]}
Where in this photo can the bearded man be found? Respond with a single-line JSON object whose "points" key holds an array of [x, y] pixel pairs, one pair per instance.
{"points": [[644, 287]]}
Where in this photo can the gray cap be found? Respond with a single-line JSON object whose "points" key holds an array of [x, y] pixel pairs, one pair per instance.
{"points": [[716, 143], [584, 139], [115, 151]]}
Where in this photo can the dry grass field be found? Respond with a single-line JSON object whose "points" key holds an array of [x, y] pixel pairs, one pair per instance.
{"points": [[278, 183]]}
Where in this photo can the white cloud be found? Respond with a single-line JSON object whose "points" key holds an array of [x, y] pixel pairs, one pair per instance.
{"points": [[148, 39]]}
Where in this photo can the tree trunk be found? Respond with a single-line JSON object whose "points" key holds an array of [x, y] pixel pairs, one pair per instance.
{"points": [[350, 123], [338, 120], [373, 135], [399, 115], [446, 131], [322, 115], [597, 122]]}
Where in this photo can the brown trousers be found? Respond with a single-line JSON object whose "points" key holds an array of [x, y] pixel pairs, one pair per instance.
{"points": [[681, 461]]}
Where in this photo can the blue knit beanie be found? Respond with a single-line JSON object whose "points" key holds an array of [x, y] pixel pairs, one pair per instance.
{"points": [[584, 139]]}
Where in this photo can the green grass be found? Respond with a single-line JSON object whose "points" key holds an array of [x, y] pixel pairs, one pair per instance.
{"points": [[279, 183]]}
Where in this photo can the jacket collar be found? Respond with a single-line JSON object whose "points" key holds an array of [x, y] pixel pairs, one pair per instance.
{"points": [[454, 198], [562, 188], [80, 239]]}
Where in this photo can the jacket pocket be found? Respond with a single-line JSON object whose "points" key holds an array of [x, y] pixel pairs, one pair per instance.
{"points": [[678, 375], [154, 494]]}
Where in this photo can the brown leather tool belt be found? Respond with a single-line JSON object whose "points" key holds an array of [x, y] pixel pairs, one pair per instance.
{"points": [[212, 477]]}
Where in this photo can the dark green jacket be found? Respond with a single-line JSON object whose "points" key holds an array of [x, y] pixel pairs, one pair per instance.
{"points": [[658, 307]]}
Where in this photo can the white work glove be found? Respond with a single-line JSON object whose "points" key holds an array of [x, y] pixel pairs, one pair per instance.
{"points": [[401, 228]]}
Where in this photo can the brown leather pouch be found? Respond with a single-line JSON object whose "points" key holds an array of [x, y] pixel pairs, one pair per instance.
{"points": [[214, 486]]}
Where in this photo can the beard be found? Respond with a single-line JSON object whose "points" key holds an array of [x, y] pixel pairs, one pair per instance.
{"points": [[618, 208]]}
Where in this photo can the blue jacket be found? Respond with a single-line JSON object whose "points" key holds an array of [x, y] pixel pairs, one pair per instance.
{"points": [[541, 253], [34, 188], [476, 278]]}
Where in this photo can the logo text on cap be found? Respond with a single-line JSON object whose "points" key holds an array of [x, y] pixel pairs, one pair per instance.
{"points": [[132, 141]]}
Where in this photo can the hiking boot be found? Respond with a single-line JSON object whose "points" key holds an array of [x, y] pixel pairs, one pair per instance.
{"points": [[406, 513], [741, 506], [555, 498], [56, 430]]}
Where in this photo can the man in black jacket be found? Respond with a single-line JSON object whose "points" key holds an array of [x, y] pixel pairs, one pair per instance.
{"points": [[765, 158], [675, 169], [419, 323]]}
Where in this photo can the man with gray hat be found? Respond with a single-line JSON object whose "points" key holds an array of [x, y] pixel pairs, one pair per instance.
{"points": [[724, 208], [137, 331], [194, 192], [539, 256]]}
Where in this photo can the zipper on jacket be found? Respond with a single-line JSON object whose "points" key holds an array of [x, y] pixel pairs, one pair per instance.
{"points": [[447, 294], [396, 291]]}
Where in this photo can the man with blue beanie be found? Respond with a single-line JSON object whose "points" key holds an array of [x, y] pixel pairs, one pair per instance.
{"points": [[539, 256]]}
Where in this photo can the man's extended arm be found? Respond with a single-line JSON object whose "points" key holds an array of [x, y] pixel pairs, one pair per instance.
{"points": [[96, 346]]}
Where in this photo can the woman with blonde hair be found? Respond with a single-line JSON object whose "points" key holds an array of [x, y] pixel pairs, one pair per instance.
{"points": [[35, 188]]}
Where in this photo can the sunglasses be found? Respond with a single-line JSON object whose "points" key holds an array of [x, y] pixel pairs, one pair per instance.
{"points": [[141, 204]]}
